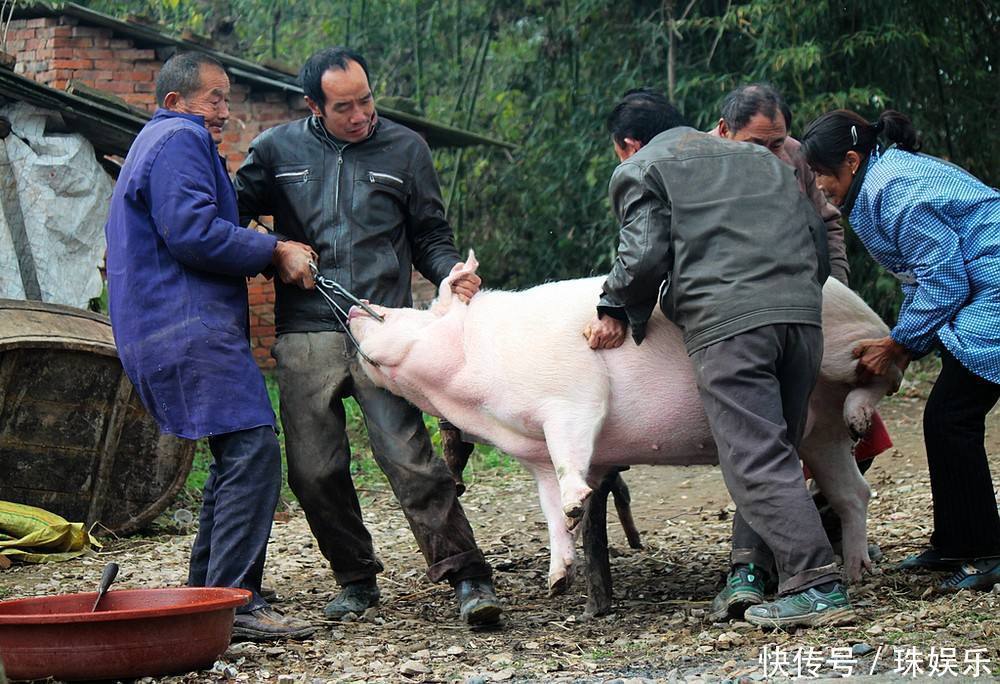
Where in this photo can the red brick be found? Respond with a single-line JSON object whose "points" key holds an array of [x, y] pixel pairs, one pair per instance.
{"points": [[72, 64], [80, 42], [148, 87], [61, 52], [117, 86], [120, 43], [40, 22], [140, 75], [132, 55], [111, 64], [99, 54], [21, 33], [26, 56], [62, 31], [44, 54], [267, 342], [92, 75], [59, 84]]}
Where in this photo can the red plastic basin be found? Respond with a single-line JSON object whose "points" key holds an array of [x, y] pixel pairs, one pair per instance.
{"points": [[134, 633]]}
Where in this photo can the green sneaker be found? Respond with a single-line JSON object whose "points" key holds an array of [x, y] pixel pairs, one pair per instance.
{"points": [[744, 588], [809, 608]]}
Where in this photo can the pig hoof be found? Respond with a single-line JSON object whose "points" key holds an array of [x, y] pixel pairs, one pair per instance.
{"points": [[575, 507], [560, 583], [859, 422]]}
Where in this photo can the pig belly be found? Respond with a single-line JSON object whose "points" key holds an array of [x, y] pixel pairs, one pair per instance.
{"points": [[655, 415]]}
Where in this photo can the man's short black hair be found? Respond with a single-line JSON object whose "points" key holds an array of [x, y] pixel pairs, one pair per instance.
{"points": [[319, 63], [745, 102], [642, 114], [182, 74]]}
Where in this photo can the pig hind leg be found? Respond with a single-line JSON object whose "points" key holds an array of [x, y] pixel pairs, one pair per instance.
{"points": [[828, 453]]}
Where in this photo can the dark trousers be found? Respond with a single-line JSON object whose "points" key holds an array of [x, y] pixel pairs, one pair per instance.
{"points": [[316, 372], [242, 489], [755, 387], [966, 522]]}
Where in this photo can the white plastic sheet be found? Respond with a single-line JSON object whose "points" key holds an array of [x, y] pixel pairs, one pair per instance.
{"points": [[63, 196]]}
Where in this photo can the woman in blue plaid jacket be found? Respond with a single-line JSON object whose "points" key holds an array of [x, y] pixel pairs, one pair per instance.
{"points": [[936, 228]]}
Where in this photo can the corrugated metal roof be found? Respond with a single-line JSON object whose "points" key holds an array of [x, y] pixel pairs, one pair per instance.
{"points": [[437, 134]]}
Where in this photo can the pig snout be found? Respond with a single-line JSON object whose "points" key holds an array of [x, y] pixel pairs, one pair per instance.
{"points": [[354, 312]]}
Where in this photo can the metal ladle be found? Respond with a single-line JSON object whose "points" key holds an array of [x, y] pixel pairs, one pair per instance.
{"points": [[107, 577]]}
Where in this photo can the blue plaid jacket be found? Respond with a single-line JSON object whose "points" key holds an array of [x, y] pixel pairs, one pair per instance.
{"points": [[936, 228]]}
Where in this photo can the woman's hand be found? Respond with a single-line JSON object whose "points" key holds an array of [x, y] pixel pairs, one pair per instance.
{"points": [[876, 358]]}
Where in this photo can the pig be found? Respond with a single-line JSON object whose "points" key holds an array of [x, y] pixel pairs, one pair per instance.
{"points": [[514, 370]]}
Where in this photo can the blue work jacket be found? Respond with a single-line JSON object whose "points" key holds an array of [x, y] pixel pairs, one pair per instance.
{"points": [[177, 266], [936, 228]]}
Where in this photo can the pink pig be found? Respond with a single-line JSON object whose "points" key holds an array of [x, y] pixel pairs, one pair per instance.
{"points": [[513, 369]]}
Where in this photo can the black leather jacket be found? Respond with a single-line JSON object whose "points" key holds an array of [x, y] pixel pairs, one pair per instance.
{"points": [[371, 210]]}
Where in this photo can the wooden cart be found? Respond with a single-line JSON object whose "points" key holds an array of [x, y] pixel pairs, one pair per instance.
{"points": [[74, 438]]}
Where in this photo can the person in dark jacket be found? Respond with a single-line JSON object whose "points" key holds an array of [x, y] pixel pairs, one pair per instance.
{"points": [[936, 228], [757, 113], [177, 265], [720, 234], [362, 191]]}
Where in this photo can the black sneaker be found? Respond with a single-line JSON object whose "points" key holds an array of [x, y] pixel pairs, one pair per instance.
{"points": [[354, 597], [744, 588], [979, 574], [267, 624], [809, 608], [932, 560], [477, 602]]}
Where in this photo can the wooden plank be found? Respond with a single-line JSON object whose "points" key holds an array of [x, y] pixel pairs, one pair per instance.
{"points": [[109, 449]]}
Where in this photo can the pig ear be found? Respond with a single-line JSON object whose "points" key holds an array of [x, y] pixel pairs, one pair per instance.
{"points": [[445, 295]]}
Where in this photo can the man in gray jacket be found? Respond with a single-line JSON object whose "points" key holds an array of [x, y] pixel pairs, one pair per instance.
{"points": [[720, 234], [360, 190]]}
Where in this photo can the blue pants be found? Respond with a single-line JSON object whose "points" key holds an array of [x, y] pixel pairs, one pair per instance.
{"points": [[241, 492]]}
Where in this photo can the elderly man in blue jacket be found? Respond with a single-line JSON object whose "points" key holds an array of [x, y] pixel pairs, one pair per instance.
{"points": [[177, 266]]}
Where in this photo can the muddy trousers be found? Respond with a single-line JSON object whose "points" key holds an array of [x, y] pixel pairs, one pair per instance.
{"points": [[755, 387], [240, 495], [316, 372], [966, 522]]}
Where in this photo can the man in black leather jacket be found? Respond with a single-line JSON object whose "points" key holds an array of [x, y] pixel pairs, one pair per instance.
{"points": [[362, 191]]}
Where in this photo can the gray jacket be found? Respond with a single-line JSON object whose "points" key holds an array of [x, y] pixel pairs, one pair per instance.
{"points": [[371, 210], [720, 231]]}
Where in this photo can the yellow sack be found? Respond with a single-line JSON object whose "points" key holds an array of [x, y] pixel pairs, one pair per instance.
{"points": [[33, 535]]}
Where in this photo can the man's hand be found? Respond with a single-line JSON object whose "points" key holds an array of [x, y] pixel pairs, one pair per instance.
{"points": [[292, 260], [876, 358], [605, 332], [465, 285]]}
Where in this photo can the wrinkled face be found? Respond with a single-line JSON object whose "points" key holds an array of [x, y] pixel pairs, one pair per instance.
{"points": [[760, 130], [349, 111], [211, 100]]}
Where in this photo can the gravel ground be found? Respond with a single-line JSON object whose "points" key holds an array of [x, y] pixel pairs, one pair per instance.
{"points": [[657, 630]]}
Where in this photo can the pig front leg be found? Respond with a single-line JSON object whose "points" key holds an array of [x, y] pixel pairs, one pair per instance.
{"points": [[570, 439], [562, 554]]}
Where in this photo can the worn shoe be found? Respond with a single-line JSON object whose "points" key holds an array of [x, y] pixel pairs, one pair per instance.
{"points": [[477, 602], [809, 608], [354, 597], [267, 624], [932, 560], [979, 574], [744, 588]]}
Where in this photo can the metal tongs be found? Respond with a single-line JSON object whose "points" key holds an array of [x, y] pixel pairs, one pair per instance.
{"points": [[338, 311], [336, 287]]}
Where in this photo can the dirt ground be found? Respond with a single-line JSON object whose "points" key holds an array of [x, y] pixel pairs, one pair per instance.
{"points": [[657, 630]]}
